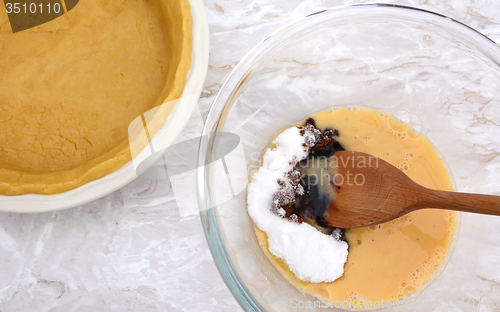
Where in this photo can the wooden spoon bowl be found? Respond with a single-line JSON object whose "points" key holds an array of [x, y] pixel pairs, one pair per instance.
{"points": [[370, 191]]}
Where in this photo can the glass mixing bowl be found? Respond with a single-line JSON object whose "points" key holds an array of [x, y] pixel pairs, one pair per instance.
{"points": [[432, 71]]}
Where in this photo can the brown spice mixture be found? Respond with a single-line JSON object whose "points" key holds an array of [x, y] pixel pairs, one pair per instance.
{"points": [[319, 144]]}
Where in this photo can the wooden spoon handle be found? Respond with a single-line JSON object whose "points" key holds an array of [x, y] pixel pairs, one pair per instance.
{"points": [[476, 203]]}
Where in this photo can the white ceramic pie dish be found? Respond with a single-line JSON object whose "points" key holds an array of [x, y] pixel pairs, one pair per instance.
{"points": [[174, 126]]}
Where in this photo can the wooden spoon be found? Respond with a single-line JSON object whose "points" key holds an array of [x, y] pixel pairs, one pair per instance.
{"points": [[370, 191]]}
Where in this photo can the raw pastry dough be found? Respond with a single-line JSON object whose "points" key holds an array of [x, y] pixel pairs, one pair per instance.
{"points": [[70, 88]]}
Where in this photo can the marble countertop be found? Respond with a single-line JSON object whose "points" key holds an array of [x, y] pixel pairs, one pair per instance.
{"points": [[132, 250]]}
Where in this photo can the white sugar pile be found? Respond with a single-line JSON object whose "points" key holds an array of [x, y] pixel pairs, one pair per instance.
{"points": [[311, 255]]}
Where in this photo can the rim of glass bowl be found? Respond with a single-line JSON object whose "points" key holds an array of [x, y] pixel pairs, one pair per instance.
{"points": [[225, 98]]}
